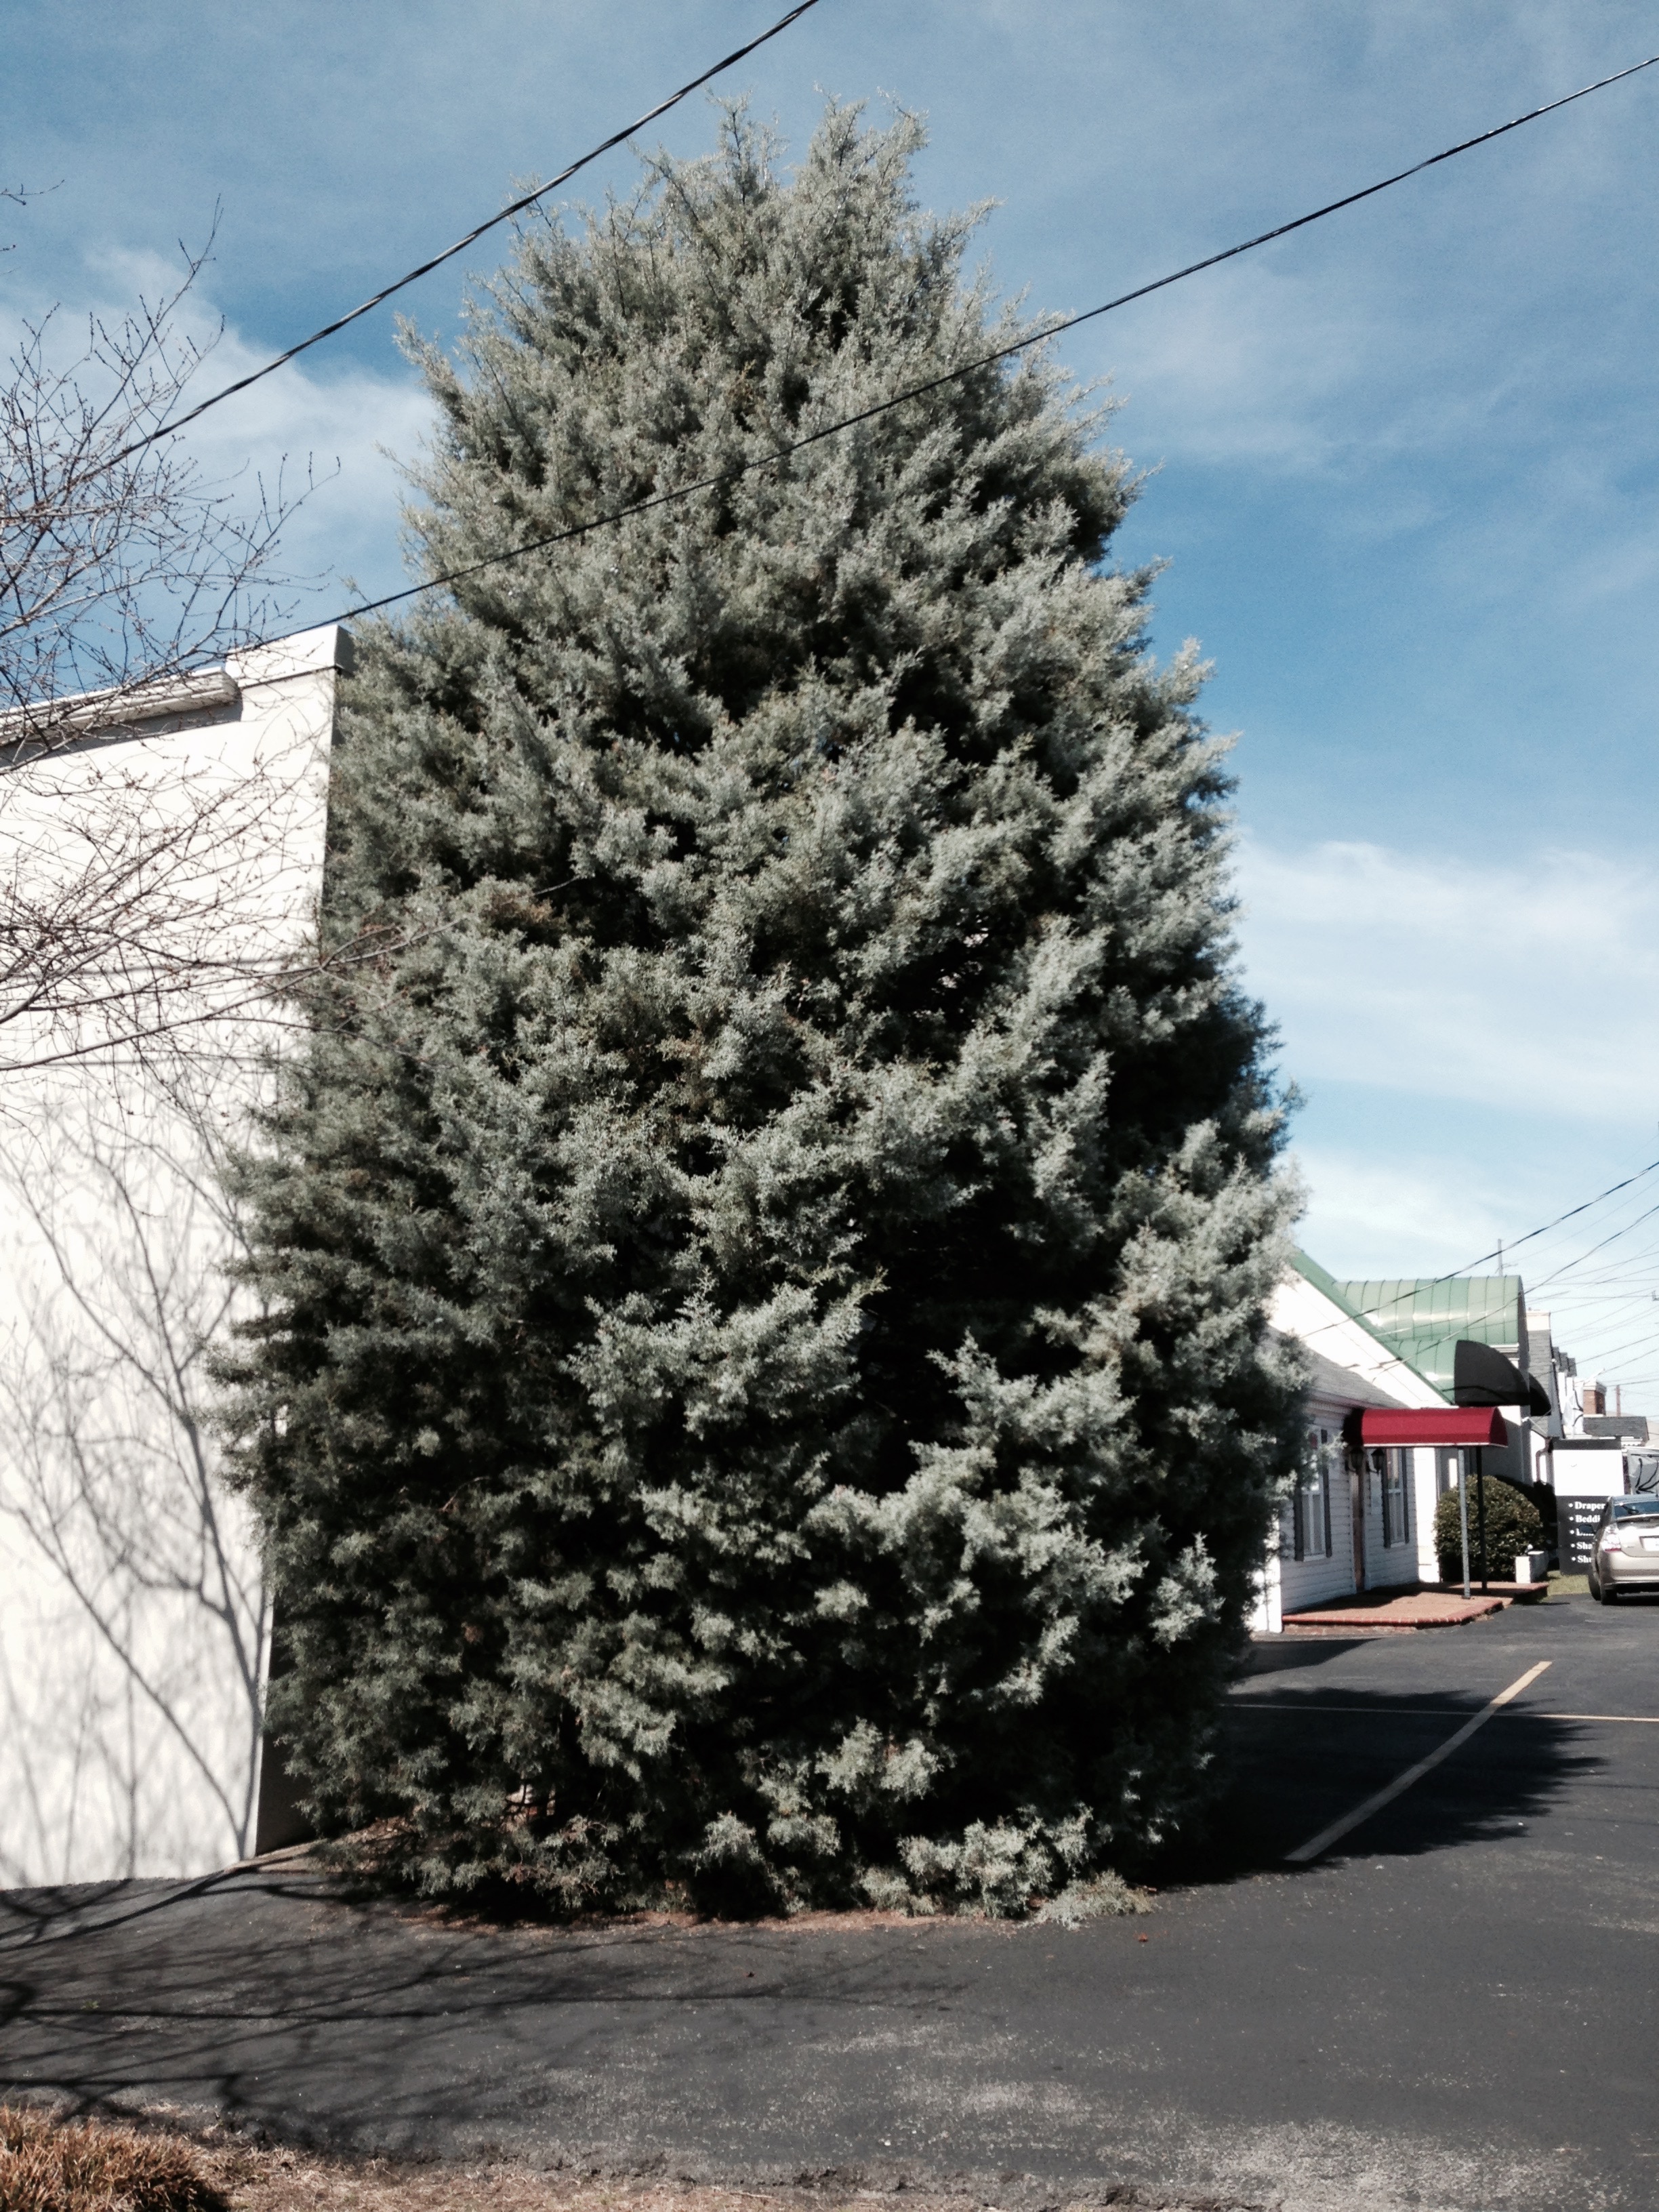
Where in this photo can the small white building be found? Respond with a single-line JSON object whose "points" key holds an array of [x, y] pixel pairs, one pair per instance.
{"points": [[1383, 1444], [166, 857]]}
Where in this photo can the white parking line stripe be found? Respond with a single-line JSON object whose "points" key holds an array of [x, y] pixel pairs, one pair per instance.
{"points": [[1627, 1720], [1421, 1713], [1338, 1829]]}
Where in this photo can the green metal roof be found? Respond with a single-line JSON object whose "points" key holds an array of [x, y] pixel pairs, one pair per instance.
{"points": [[1422, 1320], [1338, 1293]]}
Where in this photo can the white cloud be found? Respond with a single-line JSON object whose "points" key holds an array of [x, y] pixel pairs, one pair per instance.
{"points": [[1385, 1215], [341, 426], [1476, 1044], [1530, 986], [1371, 1216], [1254, 368], [346, 429]]}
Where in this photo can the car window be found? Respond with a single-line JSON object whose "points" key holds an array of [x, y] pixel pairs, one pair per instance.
{"points": [[1636, 1509]]}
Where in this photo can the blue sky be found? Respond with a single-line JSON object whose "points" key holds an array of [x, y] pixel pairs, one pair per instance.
{"points": [[1404, 462]]}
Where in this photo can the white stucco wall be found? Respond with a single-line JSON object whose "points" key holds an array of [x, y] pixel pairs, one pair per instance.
{"points": [[131, 1609]]}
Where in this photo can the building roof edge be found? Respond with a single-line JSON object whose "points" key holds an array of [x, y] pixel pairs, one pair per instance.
{"points": [[1310, 1272]]}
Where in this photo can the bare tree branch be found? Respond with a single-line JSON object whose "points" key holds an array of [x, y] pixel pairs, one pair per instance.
{"points": [[129, 584], [118, 570], [161, 794]]}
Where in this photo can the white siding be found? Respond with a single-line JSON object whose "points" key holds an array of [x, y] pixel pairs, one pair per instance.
{"points": [[1301, 1310], [1320, 1574], [1391, 1564], [132, 1612]]}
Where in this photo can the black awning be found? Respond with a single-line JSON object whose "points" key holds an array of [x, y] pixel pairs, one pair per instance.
{"points": [[1482, 1377]]}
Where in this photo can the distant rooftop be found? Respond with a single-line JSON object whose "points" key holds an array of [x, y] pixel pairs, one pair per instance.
{"points": [[1633, 1425]]}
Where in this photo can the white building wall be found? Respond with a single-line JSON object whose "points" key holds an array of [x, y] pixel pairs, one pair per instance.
{"points": [[1267, 1616], [1310, 1582], [1320, 1575], [1389, 1564], [133, 1614], [1425, 1495], [1302, 1310]]}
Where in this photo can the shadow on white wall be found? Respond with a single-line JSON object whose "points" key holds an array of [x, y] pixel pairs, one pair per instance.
{"points": [[133, 1617]]}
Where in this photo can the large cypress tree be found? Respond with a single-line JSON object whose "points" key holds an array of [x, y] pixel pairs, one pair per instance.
{"points": [[765, 1385]]}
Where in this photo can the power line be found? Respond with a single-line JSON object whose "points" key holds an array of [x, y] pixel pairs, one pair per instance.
{"points": [[1602, 1359], [515, 207], [1510, 1244], [1567, 1265], [966, 368], [1624, 1261]]}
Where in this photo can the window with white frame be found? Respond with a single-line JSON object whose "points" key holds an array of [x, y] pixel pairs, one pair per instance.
{"points": [[1313, 1496], [1394, 1474]]}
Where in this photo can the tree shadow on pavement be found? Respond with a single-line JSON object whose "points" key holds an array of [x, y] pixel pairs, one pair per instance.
{"points": [[1293, 1762], [282, 2002]]}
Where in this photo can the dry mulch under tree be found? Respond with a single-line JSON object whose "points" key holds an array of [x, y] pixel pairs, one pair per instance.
{"points": [[48, 2165]]}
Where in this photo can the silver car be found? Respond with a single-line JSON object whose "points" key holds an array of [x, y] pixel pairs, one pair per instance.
{"points": [[1626, 1555]]}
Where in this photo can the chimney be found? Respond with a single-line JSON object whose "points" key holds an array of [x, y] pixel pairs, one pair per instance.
{"points": [[1596, 1398]]}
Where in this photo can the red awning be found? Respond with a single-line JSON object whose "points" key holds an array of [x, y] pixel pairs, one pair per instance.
{"points": [[1432, 1425]]}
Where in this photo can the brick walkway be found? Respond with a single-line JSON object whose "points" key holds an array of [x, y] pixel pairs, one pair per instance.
{"points": [[1409, 1609]]}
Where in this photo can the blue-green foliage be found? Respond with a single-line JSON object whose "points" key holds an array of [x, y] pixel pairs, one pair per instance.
{"points": [[765, 1387]]}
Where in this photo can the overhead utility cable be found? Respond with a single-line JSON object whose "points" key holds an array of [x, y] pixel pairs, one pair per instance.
{"points": [[515, 207], [1415, 1288], [1513, 1243], [1567, 1266], [1602, 1357], [983, 361]]}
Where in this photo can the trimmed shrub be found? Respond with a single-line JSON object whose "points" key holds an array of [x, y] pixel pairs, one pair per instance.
{"points": [[1512, 1525]]}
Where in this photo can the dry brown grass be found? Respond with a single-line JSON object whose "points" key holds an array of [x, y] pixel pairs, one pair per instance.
{"points": [[283, 2181], [51, 2166]]}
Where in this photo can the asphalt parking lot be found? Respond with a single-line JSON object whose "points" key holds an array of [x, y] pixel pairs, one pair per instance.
{"points": [[1451, 2005]]}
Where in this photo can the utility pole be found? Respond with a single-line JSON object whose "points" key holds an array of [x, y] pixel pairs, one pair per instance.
{"points": [[1463, 1513], [1480, 1504]]}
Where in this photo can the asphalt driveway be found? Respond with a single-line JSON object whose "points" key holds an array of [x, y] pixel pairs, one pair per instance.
{"points": [[1453, 2005]]}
